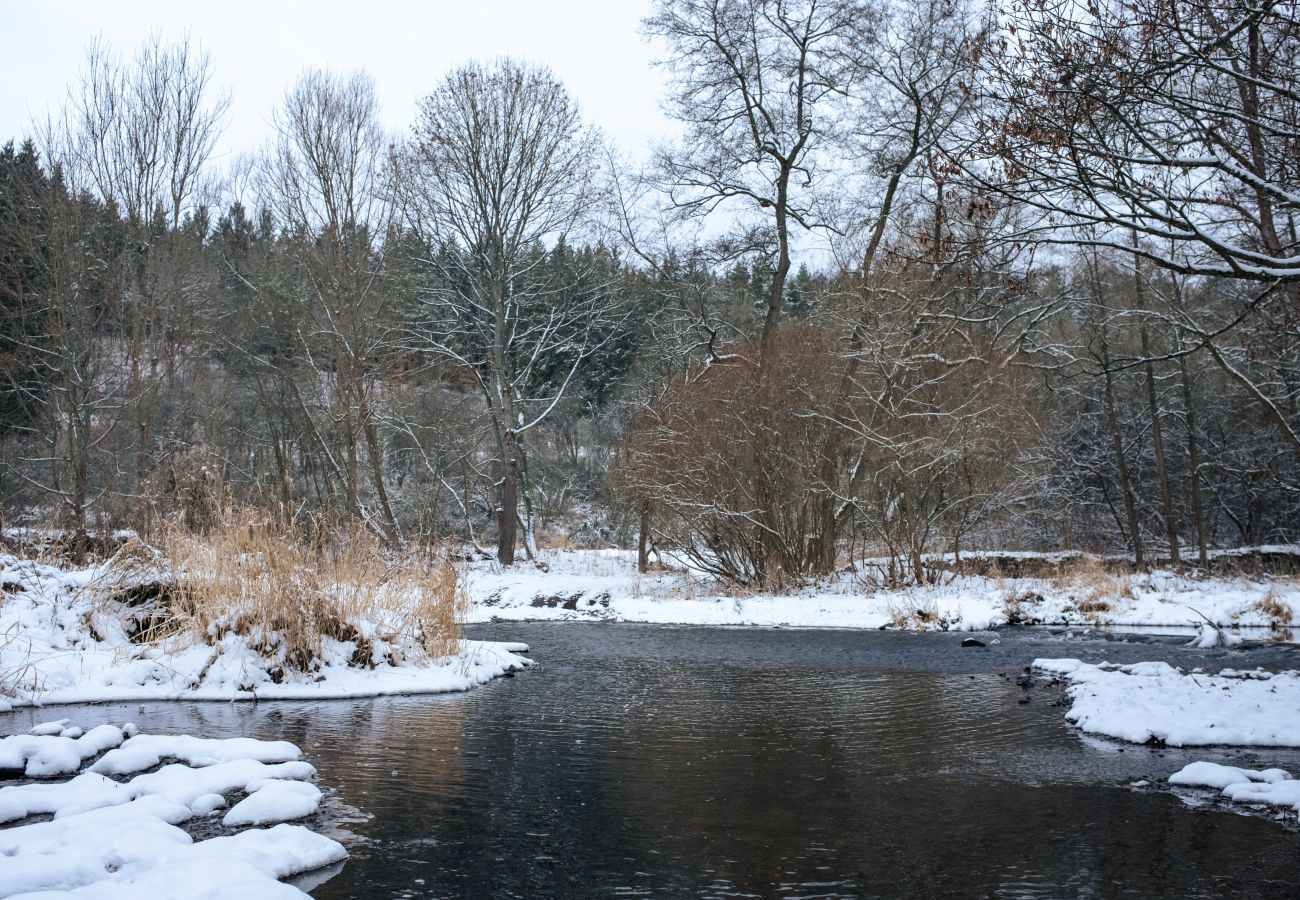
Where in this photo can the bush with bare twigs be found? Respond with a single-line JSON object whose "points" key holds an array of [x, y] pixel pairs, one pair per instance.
{"points": [[737, 463]]}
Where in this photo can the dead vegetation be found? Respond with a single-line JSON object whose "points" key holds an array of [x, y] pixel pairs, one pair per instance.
{"points": [[1279, 615], [287, 588], [919, 614]]}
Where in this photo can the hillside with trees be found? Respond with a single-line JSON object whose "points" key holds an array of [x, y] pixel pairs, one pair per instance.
{"points": [[917, 278]]}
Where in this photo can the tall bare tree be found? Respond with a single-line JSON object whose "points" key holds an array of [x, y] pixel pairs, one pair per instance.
{"points": [[757, 83], [139, 132], [499, 164], [326, 178]]}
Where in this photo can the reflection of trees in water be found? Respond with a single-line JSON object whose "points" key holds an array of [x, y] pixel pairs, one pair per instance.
{"points": [[674, 776]]}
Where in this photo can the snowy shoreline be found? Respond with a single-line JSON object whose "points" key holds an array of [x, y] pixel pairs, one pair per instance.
{"points": [[64, 640], [603, 585], [1156, 703], [478, 663]]}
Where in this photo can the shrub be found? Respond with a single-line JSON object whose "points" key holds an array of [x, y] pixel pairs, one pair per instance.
{"points": [[738, 464]]}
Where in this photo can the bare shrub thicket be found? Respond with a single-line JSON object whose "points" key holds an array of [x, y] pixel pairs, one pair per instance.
{"points": [[287, 588], [936, 414], [730, 461]]}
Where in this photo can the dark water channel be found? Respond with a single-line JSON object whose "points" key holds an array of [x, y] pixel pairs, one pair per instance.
{"points": [[642, 761]]}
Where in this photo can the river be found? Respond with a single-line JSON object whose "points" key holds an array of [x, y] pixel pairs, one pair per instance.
{"points": [[654, 761]]}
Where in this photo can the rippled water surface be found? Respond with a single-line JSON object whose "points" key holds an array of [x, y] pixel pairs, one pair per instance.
{"points": [[642, 761]]}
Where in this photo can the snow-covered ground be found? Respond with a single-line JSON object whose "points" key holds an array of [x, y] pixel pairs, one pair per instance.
{"points": [[114, 825], [1153, 701], [63, 641], [604, 585]]}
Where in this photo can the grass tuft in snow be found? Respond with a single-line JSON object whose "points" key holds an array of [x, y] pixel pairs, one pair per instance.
{"points": [[286, 590], [1279, 615]]}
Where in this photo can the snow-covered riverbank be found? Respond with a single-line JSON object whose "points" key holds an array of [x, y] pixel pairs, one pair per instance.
{"points": [[115, 827], [604, 585], [1155, 702], [64, 639]]}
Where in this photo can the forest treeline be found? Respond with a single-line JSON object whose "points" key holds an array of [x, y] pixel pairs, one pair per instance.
{"points": [[918, 276]]}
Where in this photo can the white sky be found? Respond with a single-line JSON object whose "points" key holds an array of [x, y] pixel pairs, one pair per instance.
{"points": [[259, 48]]}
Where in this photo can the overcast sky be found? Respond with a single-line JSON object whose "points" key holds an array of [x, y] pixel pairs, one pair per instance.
{"points": [[595, 46]]}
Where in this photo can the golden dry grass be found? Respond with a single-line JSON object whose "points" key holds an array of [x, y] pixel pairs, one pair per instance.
{"points": [[285, 589], [1280, 619], [1094, 587], [914, 614]]}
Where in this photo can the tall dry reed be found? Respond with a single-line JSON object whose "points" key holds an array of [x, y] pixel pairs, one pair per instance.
{"points": [[286, 587]]}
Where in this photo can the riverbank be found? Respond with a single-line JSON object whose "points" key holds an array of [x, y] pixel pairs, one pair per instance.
{"points": [[603, 585], [87, 635]]}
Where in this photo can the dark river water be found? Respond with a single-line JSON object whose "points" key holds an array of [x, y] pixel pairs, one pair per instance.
{"points": [[647, 761]]}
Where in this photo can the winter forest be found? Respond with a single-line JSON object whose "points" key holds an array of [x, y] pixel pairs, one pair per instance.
{"points": [[885, 482], [917, 277]]}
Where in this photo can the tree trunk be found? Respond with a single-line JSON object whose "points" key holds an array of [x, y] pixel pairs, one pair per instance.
{"points": [[1194, 461], [643, 541], [1126, 485], [1153, 405], [508, 508]]}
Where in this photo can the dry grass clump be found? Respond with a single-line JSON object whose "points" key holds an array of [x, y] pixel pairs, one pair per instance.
{"points": [[1279, 614], [1021, 607], [1092, 586], [287, 589], [917, 614]]}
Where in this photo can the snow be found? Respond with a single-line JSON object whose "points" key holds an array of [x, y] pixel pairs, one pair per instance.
{"points": [[44, 752], [1273, 787], [603, 585], [1153, 701], [1216, 775], [146, 750], [62, 641], [111, 839], [274, 801]]}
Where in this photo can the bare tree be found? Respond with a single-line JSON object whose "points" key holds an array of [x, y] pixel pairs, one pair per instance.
{"points": [[326, 178], [143, 130], [757, 84], [1172, 118], [62, 369], [139, 132], [500, 163], [1165, 129]]}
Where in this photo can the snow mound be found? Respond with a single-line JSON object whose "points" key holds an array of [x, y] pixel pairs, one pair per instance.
{"points": [[1157, 703], [1273, 787], [274, 801], [147, 750], [45, 753], [111, 839]]}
